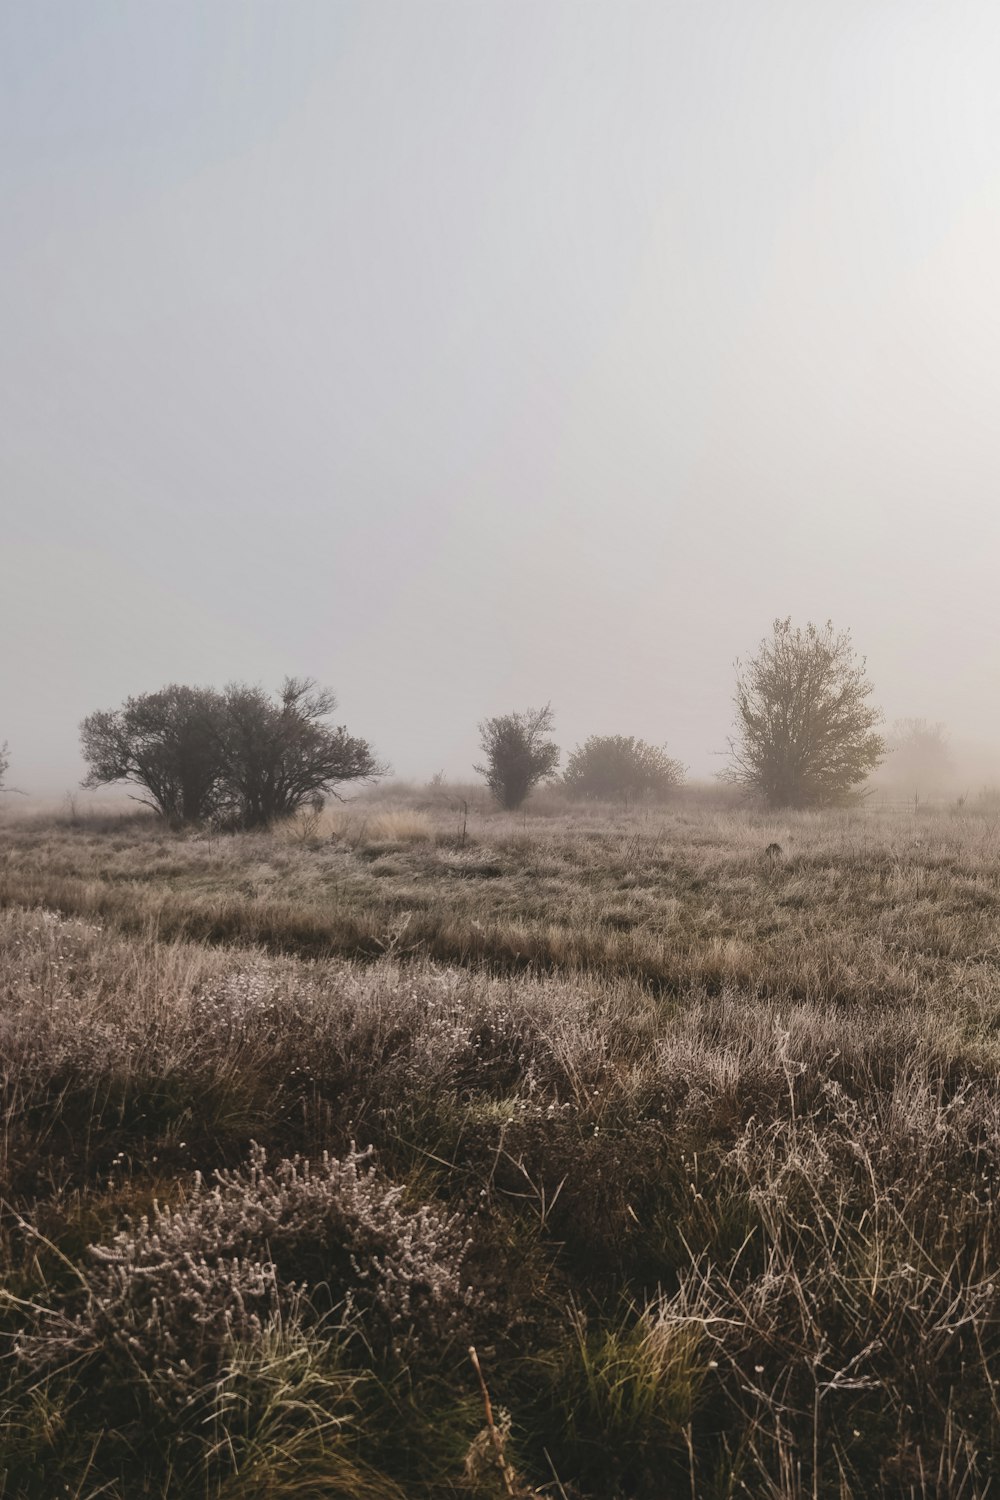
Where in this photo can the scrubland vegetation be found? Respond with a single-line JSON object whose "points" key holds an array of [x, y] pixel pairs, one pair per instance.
{"points": [[696, 1144]]}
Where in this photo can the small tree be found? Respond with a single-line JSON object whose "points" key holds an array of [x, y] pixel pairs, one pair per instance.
{"points": [[518, 754], [805, 729], [611, 766], [197, 753], [277, 756], [167, 743], [919, 759], [4, 764]]}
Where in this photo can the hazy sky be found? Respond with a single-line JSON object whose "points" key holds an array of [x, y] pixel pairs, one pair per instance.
{"points": [[466, 355]]}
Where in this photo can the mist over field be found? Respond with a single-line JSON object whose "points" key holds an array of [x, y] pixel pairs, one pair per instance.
{"points": [[499, 750], [469, 356]]}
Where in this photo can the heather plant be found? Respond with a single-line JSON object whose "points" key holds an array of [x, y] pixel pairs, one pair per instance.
{"points": [[278, 1411], [170, 1294]]}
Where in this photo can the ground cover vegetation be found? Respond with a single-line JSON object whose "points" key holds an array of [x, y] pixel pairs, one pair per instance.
{"points": [[686, 1119]]}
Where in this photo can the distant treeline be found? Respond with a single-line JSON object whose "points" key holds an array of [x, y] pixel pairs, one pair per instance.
{"points": [[806, 734]]}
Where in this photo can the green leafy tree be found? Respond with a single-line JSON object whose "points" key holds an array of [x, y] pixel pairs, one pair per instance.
{"points": [[519, 754], [614, 767], [806, 730]]}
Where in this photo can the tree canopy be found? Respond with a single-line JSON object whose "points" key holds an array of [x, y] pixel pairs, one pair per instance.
{"points": [[278, 755], [238, 755], [806, 730], [518, 754], [613, 766], [167, 743]]}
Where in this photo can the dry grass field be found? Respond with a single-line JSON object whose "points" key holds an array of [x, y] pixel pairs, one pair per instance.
{"points": [[697, 1145]]}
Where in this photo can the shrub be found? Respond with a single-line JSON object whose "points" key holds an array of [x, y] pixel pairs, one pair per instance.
{"points": [[277, 757], [169, 1296], [611, 766], [518, 754], [166, 743], [196, 753]]}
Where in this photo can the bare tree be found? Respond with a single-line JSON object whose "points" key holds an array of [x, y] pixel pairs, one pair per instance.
{"points": [[612, 766], [518, 754], [806, 732], [167, 743], [4, 764], [279, 755]]}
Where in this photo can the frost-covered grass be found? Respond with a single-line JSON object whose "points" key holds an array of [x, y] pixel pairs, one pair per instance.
{"points": [[697, 1146]]}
